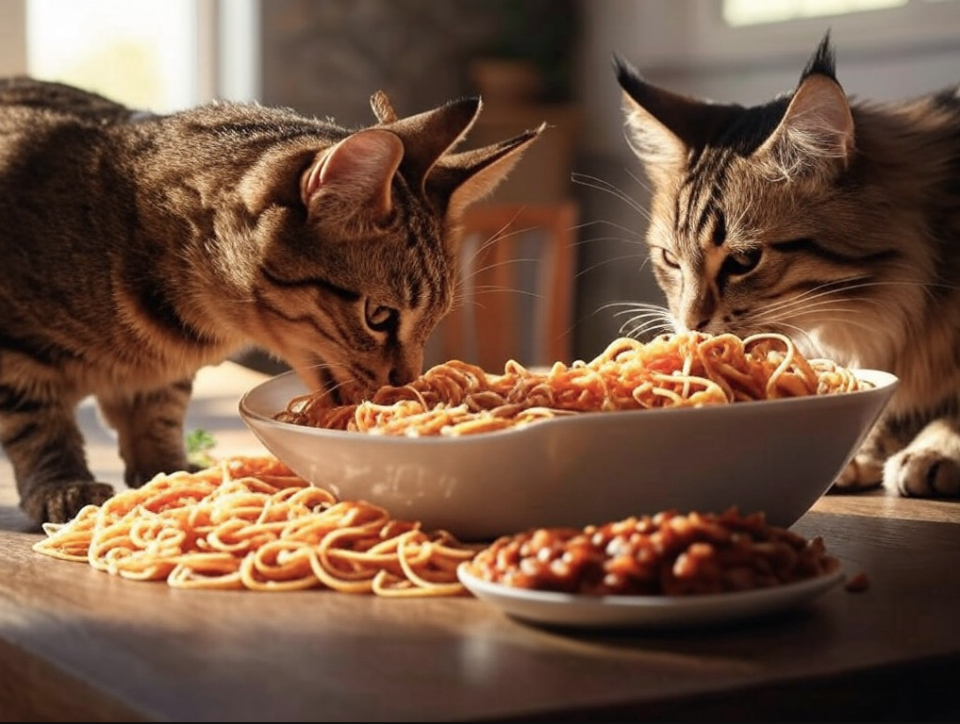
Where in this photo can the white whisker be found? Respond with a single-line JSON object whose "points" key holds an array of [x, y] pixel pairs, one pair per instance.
{"points": [[618, 227], [601, 185], [591, 240], [612, 260]]}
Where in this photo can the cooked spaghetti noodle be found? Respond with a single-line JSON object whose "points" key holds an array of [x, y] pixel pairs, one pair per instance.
{"points": [[457, 398], [251, 523]]}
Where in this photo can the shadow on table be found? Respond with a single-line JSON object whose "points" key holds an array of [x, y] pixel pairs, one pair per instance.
{"points": [[14, 520]]}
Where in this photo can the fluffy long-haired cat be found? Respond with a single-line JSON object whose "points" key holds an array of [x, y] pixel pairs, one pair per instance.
{"points": [[137, 248], [832, 219]]}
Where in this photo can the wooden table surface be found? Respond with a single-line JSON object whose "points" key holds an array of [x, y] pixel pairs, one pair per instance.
{"points": [[77, 644]]}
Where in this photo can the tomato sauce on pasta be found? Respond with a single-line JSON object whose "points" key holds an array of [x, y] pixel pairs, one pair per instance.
{"points": [[251, 523], [679, 370]]}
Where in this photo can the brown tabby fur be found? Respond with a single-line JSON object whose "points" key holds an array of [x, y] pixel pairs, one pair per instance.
{"points": [[833, 220], [137, 248]]}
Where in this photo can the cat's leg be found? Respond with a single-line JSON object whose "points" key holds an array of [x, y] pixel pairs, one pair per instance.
{"points": [[46, 449], [865, 470], [149, 427], [929, 466]]}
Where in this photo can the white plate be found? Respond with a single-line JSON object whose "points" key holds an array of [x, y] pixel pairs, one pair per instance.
{"points": [[561, 609]]}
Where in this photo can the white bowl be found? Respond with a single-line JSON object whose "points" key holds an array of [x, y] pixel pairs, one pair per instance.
{"points": [[775, 456]]}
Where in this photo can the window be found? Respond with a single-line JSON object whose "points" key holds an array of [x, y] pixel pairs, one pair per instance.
{"points": [[160, 55], [752, 30], [143, 53], [754, 12]]}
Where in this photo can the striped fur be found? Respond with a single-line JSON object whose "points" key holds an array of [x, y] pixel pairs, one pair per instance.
{"points": [[829, 218], [137, 248]]}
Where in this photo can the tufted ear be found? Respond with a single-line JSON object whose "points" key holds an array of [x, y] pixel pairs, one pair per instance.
{"points": [[817, 128], [467, 177], [360, 168], [663, 126], [427, 136], [814, 128]]}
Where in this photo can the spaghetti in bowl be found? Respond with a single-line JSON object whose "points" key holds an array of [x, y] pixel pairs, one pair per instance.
{"points": [[776, 452]]}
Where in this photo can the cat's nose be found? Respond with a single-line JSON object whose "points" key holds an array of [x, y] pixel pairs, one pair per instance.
{"points": [[695, 324], [407, 366], [403, 374]]}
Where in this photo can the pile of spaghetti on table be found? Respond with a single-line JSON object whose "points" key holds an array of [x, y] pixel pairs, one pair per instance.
{"points": [[251, 523], [693, 369], [667, 553]]}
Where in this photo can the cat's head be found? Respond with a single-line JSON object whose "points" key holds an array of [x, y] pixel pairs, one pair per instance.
{"points": [[759, 216], [355, 280]]}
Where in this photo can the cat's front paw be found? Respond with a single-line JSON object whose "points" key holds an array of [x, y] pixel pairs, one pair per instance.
{"points": [[864, 472], [922, 473], [59, 502]]}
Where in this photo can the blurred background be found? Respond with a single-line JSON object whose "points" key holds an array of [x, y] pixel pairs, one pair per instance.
{"points": [[532, 61]]}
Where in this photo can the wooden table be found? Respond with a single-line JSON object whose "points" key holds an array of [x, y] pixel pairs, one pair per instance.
{"points": [[76, 644]]}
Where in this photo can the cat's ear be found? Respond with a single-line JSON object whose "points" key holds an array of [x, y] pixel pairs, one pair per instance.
{"points": [[662, 126], [817, 129], [360, 168], [428, 136], [464, 178]]}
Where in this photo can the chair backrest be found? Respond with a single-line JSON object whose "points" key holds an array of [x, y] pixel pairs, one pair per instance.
{"points": [[515, 294]]}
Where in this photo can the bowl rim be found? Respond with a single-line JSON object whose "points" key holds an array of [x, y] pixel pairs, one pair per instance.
{"points": [[884, 384]]}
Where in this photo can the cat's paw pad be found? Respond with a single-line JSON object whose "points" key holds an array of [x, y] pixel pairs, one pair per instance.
{"points": [[861, 473], [60, 502], [922, 474]]}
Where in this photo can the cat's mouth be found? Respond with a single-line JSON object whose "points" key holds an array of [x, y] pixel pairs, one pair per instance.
{"points": [[338, 392], [338, 386], [316, 373]]}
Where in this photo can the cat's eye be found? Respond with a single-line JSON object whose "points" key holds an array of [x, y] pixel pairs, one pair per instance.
{"points": [[381, 318], [742, 262], [669, 258]]}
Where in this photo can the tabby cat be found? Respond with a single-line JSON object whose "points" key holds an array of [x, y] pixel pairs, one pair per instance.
{"points": [[136, 248], [828, 218]]}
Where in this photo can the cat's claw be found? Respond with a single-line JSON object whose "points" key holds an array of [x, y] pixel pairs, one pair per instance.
{"points": [[59, 502], [922, 474]]}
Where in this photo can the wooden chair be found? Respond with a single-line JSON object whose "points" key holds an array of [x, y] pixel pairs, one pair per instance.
{"points": [[515, 294]]}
